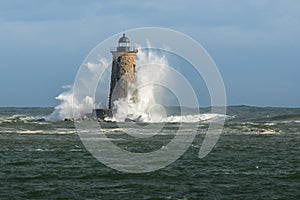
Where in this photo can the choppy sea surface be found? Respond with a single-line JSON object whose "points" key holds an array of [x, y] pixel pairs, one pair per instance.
{"points": [[256, 157]]}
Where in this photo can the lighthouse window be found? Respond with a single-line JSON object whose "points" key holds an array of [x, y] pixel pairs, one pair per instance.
{"points": [[123, 44]]}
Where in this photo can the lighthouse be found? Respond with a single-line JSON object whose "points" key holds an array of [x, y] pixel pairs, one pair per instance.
{"points": [[122, 77], [123, 70]]}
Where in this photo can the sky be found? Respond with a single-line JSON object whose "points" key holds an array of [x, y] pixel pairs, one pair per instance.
{"points": [[255, 44]]}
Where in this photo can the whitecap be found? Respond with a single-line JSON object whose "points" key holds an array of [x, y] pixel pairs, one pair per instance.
{"points": [[29, 131]]}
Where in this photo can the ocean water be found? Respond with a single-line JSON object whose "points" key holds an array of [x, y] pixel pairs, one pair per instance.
{"points": [[256, 157]]}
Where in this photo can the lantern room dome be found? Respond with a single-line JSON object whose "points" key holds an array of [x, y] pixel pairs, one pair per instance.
{"points": [[124, 39]]}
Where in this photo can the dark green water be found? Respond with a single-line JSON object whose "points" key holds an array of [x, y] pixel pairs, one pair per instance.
{"points": [[256, 157]]}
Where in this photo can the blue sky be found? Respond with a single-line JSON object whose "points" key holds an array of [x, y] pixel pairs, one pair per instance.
{"points": [[255, 44]]}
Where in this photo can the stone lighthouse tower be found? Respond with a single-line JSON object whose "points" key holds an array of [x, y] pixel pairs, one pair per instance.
{"points": [[123, 70]]}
